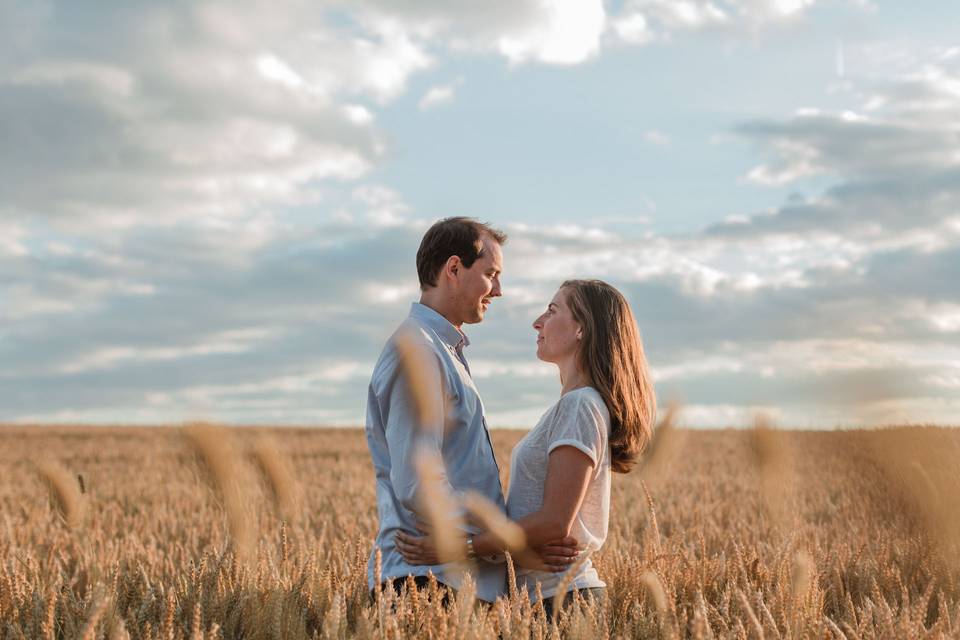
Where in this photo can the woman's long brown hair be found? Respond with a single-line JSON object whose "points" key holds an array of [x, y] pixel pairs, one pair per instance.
{"points": [[611, 354]]}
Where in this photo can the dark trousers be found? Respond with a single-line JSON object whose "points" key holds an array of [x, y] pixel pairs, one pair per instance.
{"points": [[597, 594], [420, 582]]}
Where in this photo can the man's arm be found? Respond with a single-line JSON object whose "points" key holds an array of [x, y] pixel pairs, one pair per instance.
{"points": [[414, 426]]}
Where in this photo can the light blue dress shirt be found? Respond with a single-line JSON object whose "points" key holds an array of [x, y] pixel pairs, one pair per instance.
{"points": [[463, 441]]}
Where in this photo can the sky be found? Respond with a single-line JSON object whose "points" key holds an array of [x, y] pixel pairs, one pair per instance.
{"points": [[210, 210]]}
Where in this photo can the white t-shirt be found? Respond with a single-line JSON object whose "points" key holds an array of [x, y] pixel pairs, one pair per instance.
{"points": [[579, 419]]}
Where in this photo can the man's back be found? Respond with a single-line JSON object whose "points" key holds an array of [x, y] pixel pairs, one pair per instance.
{"points": [[460, 436]]}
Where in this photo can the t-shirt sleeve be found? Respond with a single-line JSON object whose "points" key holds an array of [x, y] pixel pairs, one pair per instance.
{"points": [[581, 423]]}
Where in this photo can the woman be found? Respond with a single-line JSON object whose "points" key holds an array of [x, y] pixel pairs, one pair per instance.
{"points": [[560, 471]]}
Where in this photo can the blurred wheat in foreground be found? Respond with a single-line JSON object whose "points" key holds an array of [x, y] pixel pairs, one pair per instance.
{"points": [[221, 533]]}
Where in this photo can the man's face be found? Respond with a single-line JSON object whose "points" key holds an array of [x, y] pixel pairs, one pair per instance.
{"points": [[480, 283]]}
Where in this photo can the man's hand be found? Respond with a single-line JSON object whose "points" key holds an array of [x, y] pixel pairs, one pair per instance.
{"points": [[416, 550]]}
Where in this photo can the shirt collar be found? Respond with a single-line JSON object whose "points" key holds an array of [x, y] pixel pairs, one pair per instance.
{"points": [[447, 332]]}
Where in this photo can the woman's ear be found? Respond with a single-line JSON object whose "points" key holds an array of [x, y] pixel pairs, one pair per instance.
{"points": [[579, 333]]}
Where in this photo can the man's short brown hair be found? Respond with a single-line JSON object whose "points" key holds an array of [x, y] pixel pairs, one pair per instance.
{"points": [[456, 236]]}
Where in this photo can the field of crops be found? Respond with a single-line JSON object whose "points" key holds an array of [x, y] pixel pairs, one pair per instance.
{"points": [[169, 533]]}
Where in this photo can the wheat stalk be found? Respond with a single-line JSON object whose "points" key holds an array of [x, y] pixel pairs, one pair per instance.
{"points": [[443, 515], [276, 470], [70, 502], [495, 521], [215, 448]]}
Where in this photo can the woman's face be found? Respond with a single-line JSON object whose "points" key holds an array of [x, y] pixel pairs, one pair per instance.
{"points": [[558, 334]]}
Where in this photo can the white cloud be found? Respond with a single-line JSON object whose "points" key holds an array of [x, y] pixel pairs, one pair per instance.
{"points": [[727, 415], [382, 206], [389, 60], [273, 68], [657, 138], [568, 32], [358, 114], [945, 318], [632, 28], [164, 268], [108, 79], [436, 96], [234, 341], [10, 244], [641, 21]]}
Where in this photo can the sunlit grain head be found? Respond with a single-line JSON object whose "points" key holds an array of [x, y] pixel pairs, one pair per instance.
{"points": [[214, 447], [276, 470], [492, 519], [421, 373], [64, 490], [665, 446], [441, 510]]}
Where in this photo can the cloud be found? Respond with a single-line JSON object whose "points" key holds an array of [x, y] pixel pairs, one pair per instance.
{"points": [[194, 224], [286, 330], [568, 33], [895, 165], [641, 21], [218, 109], [657, 138], [438, 95], [193, 110]]}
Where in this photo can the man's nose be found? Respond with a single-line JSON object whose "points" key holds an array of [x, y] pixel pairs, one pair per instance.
{"points": [[496, 291]]}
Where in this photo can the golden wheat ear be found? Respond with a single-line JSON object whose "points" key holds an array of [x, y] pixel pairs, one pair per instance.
{"points": [[440, 507], [495, 521], [421, 371], [65, 493], [665, 445], [567, 580], [772, 458], [214, 447], [276, 470]]}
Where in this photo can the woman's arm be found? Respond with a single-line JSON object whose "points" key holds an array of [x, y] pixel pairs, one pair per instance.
{"points": [[549, 547], [568, 475]]}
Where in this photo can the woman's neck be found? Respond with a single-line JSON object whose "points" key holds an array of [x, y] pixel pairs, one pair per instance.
{"points": [[571, 377]]}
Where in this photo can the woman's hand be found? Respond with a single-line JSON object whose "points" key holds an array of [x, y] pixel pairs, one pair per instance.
{"points": [[555, 556], [559, 554], [416, 550]]}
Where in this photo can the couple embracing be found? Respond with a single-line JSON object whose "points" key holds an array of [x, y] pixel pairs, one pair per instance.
{"points": [[559, 491]]}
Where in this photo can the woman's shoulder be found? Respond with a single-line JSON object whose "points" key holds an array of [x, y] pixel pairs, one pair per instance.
{"points": [[585, 398]]}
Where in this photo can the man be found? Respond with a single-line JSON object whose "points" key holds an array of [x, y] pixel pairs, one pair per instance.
{"points": [[458, 264]]}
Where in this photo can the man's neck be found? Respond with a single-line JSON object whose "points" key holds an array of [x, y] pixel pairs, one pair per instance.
{"points": [[441, 306]]}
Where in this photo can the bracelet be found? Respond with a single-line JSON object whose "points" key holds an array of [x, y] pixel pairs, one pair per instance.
{"points": [[471, 554]]}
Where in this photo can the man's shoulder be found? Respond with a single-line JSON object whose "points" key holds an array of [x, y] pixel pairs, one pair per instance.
{"points": [[411, 331]]}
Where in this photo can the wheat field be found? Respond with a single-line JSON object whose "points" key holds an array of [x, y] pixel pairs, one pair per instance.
{"points": [[200, 532]]}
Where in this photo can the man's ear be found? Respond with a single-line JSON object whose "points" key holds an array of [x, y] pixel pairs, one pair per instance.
{"points": [[452, 267]]}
